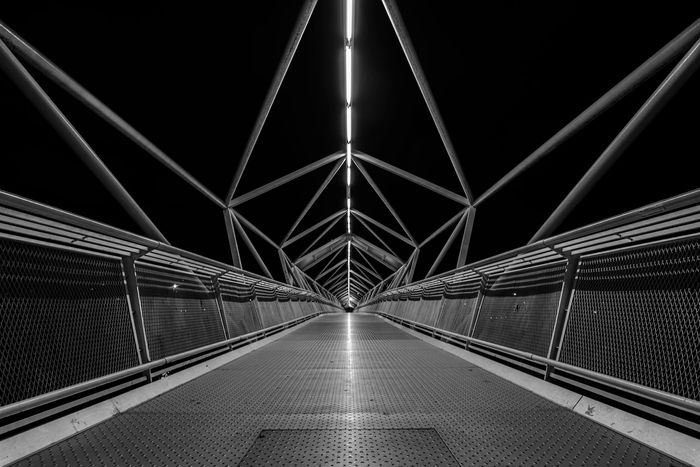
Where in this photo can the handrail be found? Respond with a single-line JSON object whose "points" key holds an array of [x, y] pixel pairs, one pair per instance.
{"points": [[617, 383], [62, 393]]}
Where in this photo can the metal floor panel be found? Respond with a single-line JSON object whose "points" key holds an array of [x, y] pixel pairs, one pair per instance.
{"points": [[351, 373]]}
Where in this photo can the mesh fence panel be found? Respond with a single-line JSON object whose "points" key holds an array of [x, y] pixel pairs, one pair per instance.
{"points": [[179, 318], [239, 309], [635, 315], [458, 306], [269, 313], [519, 308], [64, 319]]}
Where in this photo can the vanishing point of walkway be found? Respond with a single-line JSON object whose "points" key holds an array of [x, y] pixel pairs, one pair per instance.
{"points": [[348, 389]]}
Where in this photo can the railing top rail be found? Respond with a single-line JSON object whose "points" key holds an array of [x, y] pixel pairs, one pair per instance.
{"points": [[22, 217], [671, 216]]}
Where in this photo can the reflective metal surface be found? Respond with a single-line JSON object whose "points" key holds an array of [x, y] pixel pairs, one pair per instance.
{"points": [[344, 375]]}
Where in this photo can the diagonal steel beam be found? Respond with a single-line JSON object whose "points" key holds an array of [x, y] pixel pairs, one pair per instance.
{"points": [[447, 245], [376, 252], [336, 281], [313, 257], [412, 178], [330, 261], [250, 245], [82, 95], [367, 270], [649, 68], [314, 227], [361, 279], [332, 268], [646, 113], [313, 199], [294, 39], [376, 189], [381, 240], [466, 237], [382, 226], [369, 263], [412, 270], [444, 226], [58, 121], [257, 231], [402, 34], [319, 237], [285, 179]]}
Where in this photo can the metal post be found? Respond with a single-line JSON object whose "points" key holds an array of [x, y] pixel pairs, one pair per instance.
{"points": [[565, 297], [43, 103], [220, 305], [232, 242], [289, 51], [136, 311], [481, 294], [412, 270], [666, 90], [466, 237], [285, 267], [665, 55]]}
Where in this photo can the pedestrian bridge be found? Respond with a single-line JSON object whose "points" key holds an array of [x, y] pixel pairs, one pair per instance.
{"points": [[579, 348]]}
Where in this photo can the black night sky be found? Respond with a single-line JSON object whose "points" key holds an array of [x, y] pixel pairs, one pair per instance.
{"points": [[192, 76]]}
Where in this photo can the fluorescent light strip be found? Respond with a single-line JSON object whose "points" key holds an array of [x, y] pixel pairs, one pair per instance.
{"points": [[348, 115], [348, 19], [348, 75]]}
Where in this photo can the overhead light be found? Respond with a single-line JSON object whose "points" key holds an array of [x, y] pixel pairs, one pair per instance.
{"points": [[348, 123], [348, 75], [348, 177], [348, 203], [348, 153], [348, 19]]}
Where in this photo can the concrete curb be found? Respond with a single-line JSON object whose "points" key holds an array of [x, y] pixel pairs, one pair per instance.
{"points": [[681, 446], [24, 444]]}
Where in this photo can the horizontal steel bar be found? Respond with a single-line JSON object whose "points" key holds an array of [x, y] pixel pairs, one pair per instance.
{"points": [[412, 178], [286, 179], [389, 230], [317, 225]]}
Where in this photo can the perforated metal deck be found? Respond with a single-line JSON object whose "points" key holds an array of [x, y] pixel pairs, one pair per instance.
{"points": [[334, 381]]}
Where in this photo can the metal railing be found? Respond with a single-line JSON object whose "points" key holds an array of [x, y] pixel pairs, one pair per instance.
{"points": [[613, 307], [86, 309]]}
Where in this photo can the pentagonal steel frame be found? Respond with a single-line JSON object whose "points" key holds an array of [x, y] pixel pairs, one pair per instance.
{"points": [[359, 277]]}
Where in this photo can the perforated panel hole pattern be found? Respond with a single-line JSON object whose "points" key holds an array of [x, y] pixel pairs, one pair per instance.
{"points": [[635, 315]]}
